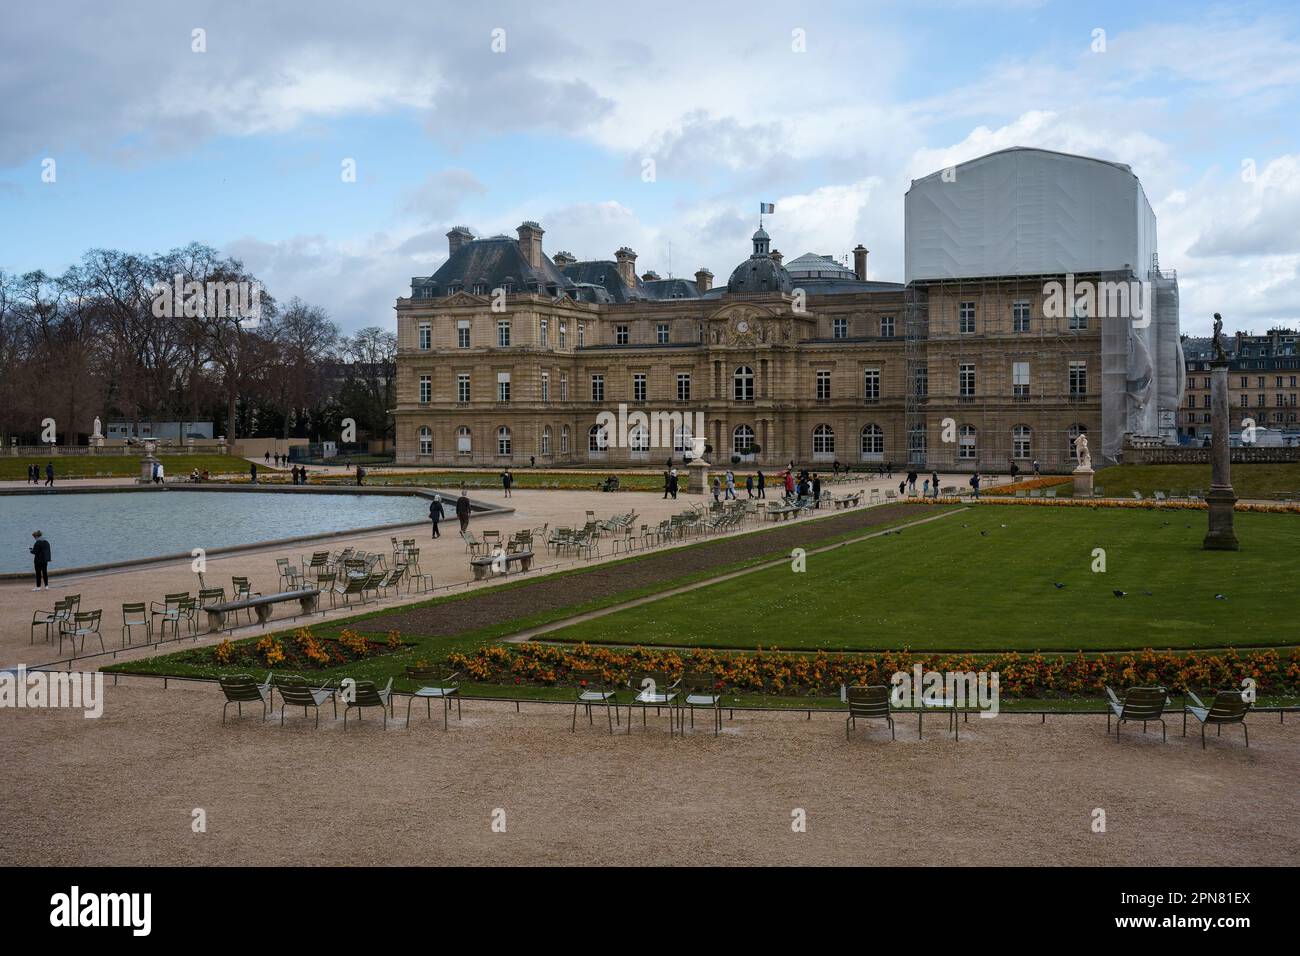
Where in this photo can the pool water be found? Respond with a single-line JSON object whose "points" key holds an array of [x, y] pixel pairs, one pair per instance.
{"points": [[105, 527]]}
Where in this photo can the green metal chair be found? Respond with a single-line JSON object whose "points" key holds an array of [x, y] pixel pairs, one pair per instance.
{"points": [[1143, 704], [702, 690], [366, 694], [436, 684], [296, 692], [593, 689], [241, 689], [868, 703], [136, 615], [1227, 707]]}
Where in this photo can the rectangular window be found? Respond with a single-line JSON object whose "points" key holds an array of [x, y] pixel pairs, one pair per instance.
{"points": [[564, 388], [1245, 382], [564, 332], [426, 336], [503, 386], [546, 386], [840, 328], [1078, 317], [582, 334], [1020, 315], [887, 326], [683, 386], [462, 387], [966, 318], [503, 333], [1020, 379], [621, 336], [1079, 378], [823, 385], [544, 332], [426, 389], [463, 441], [638, 387], [921, 381], [661, 333], [597, 388], [966, 380], [871, 384], [462, 333]]}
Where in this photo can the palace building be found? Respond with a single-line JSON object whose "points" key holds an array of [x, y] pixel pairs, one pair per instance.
{"points": [[1033, 310]]}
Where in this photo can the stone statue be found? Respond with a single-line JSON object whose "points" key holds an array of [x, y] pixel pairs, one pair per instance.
{"points": [[97, 434], [1081, 452], [1219, 354]]}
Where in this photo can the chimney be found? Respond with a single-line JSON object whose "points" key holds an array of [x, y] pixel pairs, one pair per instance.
{"points": [[458, 236], [563, 259], [860, 262], [776, 256], [530, 243], [703, 281], [626, 260]]}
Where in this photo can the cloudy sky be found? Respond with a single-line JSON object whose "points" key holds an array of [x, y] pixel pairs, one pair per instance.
{"points": [[490, 113]]}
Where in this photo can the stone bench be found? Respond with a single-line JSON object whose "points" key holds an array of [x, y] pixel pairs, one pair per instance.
{"points": [[308, 599], [847, 501], [488, 564], [783, 513]]}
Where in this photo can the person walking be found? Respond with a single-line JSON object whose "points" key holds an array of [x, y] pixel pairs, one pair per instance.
{"points": [[717, 490], [507, 480], [749, 486], [252, 471], [668, 480], [361, 475], [1035, 467], [161, 473], [266, 459], [31, 474], [49, 474], [816, 490], [975, 484], [462, 510], [1015, 470], [934, 483], [730, 492], [911, 482], [762, 485], [902, 488], [925, 488], [436, 514], [789, 482], [673, 480], [40, 550]]}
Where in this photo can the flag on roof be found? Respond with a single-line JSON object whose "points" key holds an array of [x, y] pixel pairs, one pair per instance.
{"points": [[765, 208]]}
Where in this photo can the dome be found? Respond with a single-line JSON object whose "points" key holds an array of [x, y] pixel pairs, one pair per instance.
{"points": [[759, 273], [810, 265]]}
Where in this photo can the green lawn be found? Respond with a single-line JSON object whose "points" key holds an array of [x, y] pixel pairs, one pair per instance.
{"points": [[1249, 481], [984, 581], [123, 466]]}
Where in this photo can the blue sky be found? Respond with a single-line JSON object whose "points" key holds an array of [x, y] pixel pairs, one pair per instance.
{"points": [[240, 145]]}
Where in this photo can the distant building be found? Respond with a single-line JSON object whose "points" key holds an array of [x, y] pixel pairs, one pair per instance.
{"points": [[1263, 377], [506, 354], [120, 431]]}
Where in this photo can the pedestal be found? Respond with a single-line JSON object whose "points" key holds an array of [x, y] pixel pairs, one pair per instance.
{"points": [[146, 469], [1083, 482], [1221, 536], [697, 480]]}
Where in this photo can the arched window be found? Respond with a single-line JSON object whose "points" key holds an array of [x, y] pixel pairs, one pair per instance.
{"points": [[823, 443], [682, 439], [503, 441], [742, 384], [464, 442], [426, 440], [638, 439], [966, 443], [873, 443], [546, 441], [564, 439], [742, 440], [1022, 442], [916, 445], [597, 441], [1075, 431]]}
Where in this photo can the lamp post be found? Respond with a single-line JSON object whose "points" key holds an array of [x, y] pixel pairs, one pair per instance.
{"points": [[1221, 498]]}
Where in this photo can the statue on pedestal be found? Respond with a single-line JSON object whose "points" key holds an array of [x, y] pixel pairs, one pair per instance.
{"points": [[1081, 452]]}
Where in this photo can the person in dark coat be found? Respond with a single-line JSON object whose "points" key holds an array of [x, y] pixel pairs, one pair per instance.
{"points": [[49, 474], [436, 514], [934, 482], [361, 475], [252, 471], [668, 480], [462, 510], [749, 486], [672, 483], [41, 558], [507, 480], [762, 485], [816, 491]]}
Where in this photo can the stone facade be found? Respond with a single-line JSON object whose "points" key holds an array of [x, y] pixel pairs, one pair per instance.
{"points": [[1263, 383]]}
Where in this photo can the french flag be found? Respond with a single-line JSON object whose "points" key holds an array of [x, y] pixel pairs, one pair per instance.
{"points": [[766, 208]]}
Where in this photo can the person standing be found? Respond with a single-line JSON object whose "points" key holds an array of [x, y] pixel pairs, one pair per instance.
{"points": [[730, 492], [436, 514], [789, 482], [462, 510], [1015, 470], [672, 483], [749, 486], [252, 471], [934, 482], [266, 459], [762, 485], [975, 484], [925, 489], [361, 474], [161, 473], [1035, 467], [41, 559], [911, 482], [506, 481], [717, 490], [667, 481], [816, 490], [49, 474]]}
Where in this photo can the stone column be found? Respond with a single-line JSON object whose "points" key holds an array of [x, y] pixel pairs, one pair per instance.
{"points": [[1221, 499]]}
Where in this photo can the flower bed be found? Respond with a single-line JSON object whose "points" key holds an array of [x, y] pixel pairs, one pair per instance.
{"points": [[1028, 484], [303, 651], [821, 674]]}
